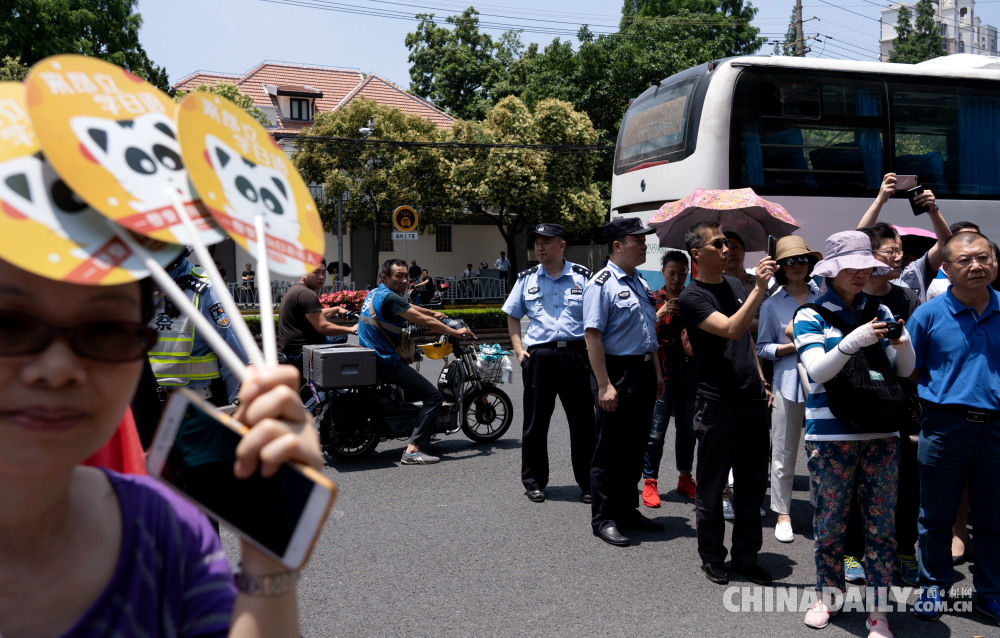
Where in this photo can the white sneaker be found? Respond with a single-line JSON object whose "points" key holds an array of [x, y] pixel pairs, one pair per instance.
{"points": [[727, 510], [783, 532]]}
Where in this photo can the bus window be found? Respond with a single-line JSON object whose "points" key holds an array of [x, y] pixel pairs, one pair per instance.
{"points": [[948, 138], [822, 135], [655, 127]]}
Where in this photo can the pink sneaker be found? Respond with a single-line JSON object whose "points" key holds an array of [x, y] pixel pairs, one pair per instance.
{"points": [[878, 628], [818, 616]]}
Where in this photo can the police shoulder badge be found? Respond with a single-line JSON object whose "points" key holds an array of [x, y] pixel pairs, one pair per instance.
{"points": [[219, 315]]}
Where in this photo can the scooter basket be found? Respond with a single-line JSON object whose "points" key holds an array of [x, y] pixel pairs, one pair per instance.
{"points": [[493, 364]]}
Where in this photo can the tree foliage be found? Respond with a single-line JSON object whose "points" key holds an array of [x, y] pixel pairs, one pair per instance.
{"points": [[11, 70], [919, 42], [787, 46], [373, 179], [232, 93], [109, 29], [517, 188]]}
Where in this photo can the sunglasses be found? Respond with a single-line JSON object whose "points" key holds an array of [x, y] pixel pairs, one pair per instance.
{"points": [[108, 341], [791, 261], [717, 243]]}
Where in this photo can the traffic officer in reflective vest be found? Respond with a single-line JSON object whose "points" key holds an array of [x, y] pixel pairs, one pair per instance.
{"points": [[181, 358], [553, 358], [620, 320]]}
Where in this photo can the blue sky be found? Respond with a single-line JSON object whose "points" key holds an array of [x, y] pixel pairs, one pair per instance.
{"points": [[234, 35]]}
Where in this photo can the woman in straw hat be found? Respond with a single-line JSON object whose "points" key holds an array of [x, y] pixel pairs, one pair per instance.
{"points": [[89, 552], [835, 449], [795, 264]]}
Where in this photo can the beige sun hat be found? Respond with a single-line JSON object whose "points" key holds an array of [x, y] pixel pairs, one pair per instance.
{"points": [[793, 246]]}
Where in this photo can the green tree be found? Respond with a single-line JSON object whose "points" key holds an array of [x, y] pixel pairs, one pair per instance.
{"points": [[787, 46], [919, 42], [373, 179], [455, 67], [108, 29], [516, 188], [232, 93], [11, 70]]}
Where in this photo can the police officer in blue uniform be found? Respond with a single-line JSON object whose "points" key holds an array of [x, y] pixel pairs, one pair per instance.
{"points": [[553, 358], [181, 358], [619, 317]]}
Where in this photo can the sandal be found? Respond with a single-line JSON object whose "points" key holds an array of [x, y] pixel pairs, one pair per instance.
{"points": [[818, 616]]}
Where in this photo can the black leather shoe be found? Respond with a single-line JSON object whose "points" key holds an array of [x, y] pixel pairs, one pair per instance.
{"points": [[585, 498], [716, 572], [612, 536], [640, 522], [536, 496], [754, 573]]}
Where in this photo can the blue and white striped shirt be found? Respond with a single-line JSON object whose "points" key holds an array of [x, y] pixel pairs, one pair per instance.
{"points": [[812, 331]]}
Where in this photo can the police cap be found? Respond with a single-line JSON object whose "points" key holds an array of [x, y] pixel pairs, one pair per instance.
{"points": [[621, 226], [548, 230]]}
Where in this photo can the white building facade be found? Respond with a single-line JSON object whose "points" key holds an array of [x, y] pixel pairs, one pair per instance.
{"points": [[961, 30]]}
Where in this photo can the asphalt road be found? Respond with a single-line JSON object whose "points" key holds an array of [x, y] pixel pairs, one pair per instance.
{"points": [[456, 549]]}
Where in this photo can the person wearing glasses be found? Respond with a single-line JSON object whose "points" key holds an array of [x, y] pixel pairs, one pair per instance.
{"points": [[836, 449], [795, 264], [731, 418], [918, 274], [956, 337], [94, 552], [619, 319]]}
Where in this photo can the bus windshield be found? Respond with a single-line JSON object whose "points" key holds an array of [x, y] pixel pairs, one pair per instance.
{"points": [[654, 129]]}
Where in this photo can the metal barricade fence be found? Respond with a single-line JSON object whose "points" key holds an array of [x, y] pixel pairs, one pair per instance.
{"points": [[460, 290], [245, 294]]}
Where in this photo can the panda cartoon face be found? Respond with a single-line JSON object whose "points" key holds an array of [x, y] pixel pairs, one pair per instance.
{"points": [[142, 154], [252, 189], [31, 188]]}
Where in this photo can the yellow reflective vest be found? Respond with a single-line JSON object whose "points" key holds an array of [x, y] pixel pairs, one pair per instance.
{"points": [[171, 358]]}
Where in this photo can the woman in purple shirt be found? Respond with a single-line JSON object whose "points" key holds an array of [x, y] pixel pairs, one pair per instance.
{"points": [[88, 552]]}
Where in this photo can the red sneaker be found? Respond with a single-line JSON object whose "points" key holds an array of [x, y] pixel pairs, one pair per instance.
{"points": [[686, 485], [650, 494]]}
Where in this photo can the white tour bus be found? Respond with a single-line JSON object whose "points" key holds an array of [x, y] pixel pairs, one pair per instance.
{"points": [[816, 136]]}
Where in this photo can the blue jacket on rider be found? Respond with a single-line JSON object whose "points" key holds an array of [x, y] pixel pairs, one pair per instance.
{"points": [[382, 303]]}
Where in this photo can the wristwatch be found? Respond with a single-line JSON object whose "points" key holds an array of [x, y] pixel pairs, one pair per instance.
{"points": [[266, 586]]}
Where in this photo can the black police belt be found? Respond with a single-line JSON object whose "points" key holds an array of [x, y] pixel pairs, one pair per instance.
{"points": [[973, 415], [569, 344], [630, 358]]}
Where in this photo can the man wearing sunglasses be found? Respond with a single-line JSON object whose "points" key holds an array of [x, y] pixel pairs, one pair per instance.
{"points": [[731, 417]]}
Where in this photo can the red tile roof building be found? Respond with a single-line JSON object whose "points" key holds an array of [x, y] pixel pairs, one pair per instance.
{"points": [[291, 94]]}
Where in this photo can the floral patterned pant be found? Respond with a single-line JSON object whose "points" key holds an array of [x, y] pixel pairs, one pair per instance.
{"points": [[867, 470]]}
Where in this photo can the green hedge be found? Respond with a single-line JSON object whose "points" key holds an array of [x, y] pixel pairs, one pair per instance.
{"points": [[477, 318], [481, 318]]}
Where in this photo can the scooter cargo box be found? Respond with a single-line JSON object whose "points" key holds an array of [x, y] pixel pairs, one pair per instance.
{"points": [[338, 365]]}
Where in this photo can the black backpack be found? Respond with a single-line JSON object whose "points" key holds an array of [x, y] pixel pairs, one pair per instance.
{"points": [[866, 394]]}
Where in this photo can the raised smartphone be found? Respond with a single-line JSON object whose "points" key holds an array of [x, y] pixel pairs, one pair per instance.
{"points": [[905, 182], [194, 451], [917, 209], [772, 246]]}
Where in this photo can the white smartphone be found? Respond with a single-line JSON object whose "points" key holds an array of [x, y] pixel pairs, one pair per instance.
{"points": [[193, 453], [905, 182]]}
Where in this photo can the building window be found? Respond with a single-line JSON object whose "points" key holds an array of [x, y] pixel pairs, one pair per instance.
{"points": [[443, 239], [299, 109], [961, 46], [385, 243], [944, 30]]}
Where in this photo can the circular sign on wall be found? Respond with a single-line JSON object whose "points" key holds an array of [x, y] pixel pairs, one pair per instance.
{"points": [[405, 219]]}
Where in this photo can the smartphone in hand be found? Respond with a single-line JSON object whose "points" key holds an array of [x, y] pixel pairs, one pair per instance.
{"points": [[917, 209], [905, 182], [772, 246], [194, 451]]}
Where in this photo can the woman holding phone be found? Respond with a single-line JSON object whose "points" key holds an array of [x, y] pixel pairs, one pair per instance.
{"points": [[93, 552]]}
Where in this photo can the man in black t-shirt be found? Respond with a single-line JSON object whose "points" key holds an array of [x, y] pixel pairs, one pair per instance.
{"points": [[731, 416], [302, 320]]}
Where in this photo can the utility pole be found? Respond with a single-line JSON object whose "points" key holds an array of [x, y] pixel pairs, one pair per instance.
{"points": [[800, 43]]}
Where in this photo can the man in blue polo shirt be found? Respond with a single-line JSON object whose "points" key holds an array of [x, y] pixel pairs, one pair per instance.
{"points": [[553, 358], [956, 337], [620, 321]]}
